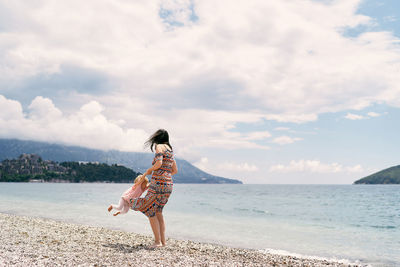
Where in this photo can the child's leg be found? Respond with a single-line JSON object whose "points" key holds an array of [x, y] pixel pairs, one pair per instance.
{"points": [[120, 205], [125, 208], [122, 208]]}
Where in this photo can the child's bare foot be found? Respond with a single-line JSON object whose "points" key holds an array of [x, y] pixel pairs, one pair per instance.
{"points": [[115, 214], [110, 208]]}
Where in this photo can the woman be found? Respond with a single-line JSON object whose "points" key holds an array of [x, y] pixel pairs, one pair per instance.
{"points": [[163, 167]]}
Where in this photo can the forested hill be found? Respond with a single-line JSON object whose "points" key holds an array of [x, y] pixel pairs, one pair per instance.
{"points": [[386, 176], [31, 167], [139, 162]]}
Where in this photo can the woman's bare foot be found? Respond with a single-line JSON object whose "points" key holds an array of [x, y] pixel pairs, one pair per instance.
{"points": [[115, 214], [110, 208], [155, 245]]}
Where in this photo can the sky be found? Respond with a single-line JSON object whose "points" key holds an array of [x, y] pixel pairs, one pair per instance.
{"points": [[274, 92]]}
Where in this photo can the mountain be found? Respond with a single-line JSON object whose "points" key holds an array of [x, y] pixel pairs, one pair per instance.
{"points": [[138, 161], [387, 176]]}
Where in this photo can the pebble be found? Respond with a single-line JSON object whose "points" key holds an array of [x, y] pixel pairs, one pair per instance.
{"points": [[27, 241]]}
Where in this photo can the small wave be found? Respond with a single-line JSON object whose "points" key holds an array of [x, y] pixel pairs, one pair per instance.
{"points": [[260, 211], [241, 209], [309, 257], [383, 226], [227, 193], [252, 210]]}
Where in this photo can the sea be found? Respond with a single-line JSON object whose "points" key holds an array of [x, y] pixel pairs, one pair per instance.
{"points": [[347, 223]]}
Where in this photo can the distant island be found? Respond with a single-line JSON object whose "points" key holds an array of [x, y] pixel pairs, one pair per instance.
{"points": [[32, 168], [137, 161], [387, 176]]}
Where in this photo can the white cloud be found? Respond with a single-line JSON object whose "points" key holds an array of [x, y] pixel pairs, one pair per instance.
{"points": [[202, 163], [225, 168], [296, 118], [43, 109], [355, 168], [86, 127], [95, 126], [286, 61], [282, 129], [11, 110], [190, 128], [313, 166], [390, 18], [373, 114], [257, 135], [260, 59], [239, 167], [284, 140], [352, 116], [176, 11]]}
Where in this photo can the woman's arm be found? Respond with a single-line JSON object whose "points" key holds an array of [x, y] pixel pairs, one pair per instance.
{"points": [[174, 168], [156, 165]]}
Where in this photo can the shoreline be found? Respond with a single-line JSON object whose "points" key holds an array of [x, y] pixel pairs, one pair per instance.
{"points": [[28, 241]]}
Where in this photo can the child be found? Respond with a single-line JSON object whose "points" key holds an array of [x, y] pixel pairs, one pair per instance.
{"points": [[140, 185]]}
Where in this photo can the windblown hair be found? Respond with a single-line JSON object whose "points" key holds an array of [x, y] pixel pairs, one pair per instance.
{"points": [[159, 137], [140, 179]]}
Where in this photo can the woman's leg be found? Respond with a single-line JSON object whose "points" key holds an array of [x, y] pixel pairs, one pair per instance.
{"points": [[161, 223], [156, 230]]}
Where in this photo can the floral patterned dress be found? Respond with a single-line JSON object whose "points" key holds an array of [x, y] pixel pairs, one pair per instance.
{"points": [[160, 187]]}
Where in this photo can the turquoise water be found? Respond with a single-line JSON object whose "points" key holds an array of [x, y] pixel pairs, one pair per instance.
{"points": [[355, 223]]}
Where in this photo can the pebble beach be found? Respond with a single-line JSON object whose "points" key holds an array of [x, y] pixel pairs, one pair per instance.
{"points": [[27, 241]]}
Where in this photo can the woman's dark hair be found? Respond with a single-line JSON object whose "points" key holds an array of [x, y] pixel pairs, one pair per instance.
{"points": [[159, 137]]}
